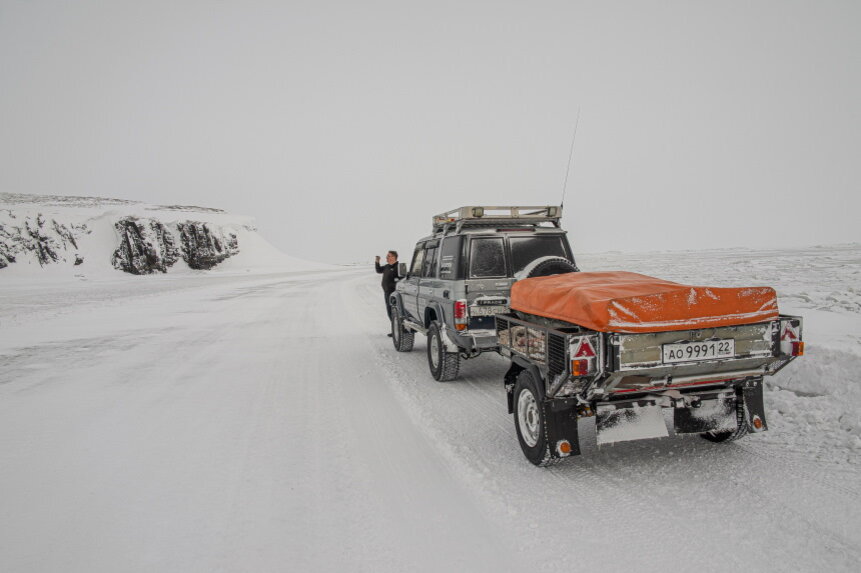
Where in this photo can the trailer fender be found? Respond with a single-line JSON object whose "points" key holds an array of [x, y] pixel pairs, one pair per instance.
{"points": [[518, 364], [510, 380]]}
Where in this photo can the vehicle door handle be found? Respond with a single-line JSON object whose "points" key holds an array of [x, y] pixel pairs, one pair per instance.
{"points": [[445, 294]]}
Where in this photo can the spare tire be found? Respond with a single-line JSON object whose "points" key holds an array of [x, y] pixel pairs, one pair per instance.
{"points": [[552, 266]]}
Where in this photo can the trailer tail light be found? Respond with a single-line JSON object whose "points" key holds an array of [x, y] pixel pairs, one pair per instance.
{"points": [[461, 316], [579, 367], [790, 339], [583, 355]]}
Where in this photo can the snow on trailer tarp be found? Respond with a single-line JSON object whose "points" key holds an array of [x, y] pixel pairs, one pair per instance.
{"points": [[620, 301]]}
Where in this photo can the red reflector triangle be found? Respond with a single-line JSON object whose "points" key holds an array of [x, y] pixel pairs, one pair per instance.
{"points": [[789, 334], [585, 350]]}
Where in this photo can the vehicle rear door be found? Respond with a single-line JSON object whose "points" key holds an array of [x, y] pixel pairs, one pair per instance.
{"points": [[488, 285], [430, 286]]}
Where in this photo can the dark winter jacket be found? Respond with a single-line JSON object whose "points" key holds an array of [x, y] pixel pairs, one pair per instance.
{"points": [[390, 275]]}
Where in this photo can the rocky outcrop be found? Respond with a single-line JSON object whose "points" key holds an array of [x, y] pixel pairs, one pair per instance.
{"points": [[48, 240], [52, 231], [146, 247], [203, 246]]}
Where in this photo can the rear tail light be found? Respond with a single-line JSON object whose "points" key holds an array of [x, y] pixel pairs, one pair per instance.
{"points": [[461, 315], [584, 356], [579, 367], [790, 339]]}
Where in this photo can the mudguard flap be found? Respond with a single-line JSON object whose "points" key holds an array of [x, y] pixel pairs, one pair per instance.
{"points": [[754, 404], [560, 417], [717, 415]]}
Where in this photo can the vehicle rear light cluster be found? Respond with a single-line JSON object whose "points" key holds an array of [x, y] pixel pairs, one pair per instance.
{"points": [[584, 357], [461, 315], [790, 340]]}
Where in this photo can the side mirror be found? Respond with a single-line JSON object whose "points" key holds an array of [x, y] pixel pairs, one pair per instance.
{"points": [[402, 269]]}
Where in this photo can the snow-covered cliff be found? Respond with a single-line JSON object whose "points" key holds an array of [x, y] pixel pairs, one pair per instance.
{"points": [[91, 234]]}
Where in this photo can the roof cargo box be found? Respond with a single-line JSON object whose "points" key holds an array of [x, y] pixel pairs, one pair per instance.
{"points": [[620, 301]]}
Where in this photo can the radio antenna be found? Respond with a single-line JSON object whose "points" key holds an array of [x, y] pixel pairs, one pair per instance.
{"points": [[570, 158]]}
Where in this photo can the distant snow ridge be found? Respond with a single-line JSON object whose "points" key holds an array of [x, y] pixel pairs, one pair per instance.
{"points": [[53, 231]]}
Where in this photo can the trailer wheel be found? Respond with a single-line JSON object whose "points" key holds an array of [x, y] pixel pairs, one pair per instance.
{"points": [[444, 365], [529, 421], [402, 338], [741, 430], [730, 436]]}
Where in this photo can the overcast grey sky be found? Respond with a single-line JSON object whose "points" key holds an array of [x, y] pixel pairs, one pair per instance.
{"points": [[344, 126]]}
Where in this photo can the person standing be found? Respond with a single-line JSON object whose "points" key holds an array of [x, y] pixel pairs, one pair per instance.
{"points": [[390, 277]]}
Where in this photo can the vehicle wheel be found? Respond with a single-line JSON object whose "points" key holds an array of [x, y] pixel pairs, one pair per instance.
{"points": [[444, 365], [732, 435], [529, 421], [402, 338], [554, 266]]}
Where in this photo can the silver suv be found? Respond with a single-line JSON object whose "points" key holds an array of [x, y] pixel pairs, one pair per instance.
{"points": [[460, 277]]}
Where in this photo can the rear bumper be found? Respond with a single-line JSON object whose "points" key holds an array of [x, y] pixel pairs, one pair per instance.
{"points": [[479, 340]]}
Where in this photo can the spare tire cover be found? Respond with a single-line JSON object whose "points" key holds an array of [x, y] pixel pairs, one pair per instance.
{"points": [[552, 266]]}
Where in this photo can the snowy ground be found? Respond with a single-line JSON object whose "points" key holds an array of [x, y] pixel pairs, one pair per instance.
{"points": [[242, 421]]}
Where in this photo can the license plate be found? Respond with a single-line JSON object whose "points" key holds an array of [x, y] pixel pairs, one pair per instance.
{"points": [[694, 351], [486, 310]]}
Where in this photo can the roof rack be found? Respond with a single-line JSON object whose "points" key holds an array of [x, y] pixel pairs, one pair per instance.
{"points": [[511, 215]]}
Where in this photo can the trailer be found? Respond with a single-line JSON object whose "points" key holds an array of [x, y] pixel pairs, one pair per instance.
{"points": [[706, 367]]}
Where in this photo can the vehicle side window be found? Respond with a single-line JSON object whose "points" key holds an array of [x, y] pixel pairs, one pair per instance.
{"points": [[487, 257], [430, 265], [524, 250], [418, 259], [449, 259]]}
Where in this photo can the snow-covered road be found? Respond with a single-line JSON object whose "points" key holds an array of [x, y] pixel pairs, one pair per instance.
{"points": [[264, 423]]}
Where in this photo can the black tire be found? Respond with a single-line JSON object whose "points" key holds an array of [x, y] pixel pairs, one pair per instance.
{"points": [[741, 430], [444, 365], [529, 421], [730, 436], [554, 266], [402, 338]]}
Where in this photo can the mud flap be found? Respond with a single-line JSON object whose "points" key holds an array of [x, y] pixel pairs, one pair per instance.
{"points": [[718, 415], [630, 422], [754, 405], [560, 417]]}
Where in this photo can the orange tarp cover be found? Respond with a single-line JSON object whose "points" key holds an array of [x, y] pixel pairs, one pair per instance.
{"points": [[619, 301]]}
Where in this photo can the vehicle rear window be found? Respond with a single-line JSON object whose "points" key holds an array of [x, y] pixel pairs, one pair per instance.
{"points": [[487, 257], [524, 250]]}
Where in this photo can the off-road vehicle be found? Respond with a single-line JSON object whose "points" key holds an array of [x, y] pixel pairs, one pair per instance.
{"points": [[460, 277]]}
